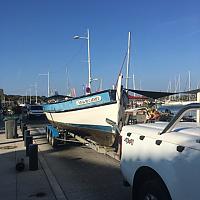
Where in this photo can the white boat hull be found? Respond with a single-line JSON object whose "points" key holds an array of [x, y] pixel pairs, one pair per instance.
{"points": [[90, 122], [87, 115]]}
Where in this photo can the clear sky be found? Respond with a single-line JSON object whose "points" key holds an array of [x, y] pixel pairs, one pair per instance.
{"points": [[36, 36]]}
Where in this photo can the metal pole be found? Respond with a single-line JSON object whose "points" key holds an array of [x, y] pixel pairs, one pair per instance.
{"points": [[24, 128], [179, 88], [89, 61], [198, 111], [134, 84], [33, 157], [36, 93], [67, 81], [26, 96], [29, 140], [48, 85], [26, 134], [101, 84], [179, 116], [170, 88], [30, 96], [128, 60], [189, 85]]}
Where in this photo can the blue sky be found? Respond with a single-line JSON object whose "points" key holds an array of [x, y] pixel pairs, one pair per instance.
{"points": [[37, 36]]}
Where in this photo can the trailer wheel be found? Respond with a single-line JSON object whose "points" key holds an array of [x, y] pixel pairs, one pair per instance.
{"points": [[50, 137], [47, 134], [153, 190], [54, 142]]}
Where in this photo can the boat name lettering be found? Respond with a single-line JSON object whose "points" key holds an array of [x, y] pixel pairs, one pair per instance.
{"points": [[89, 100]]}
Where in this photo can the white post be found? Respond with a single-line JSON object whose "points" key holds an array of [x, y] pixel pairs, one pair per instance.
{"points": [[128, 60], [198, 111]]}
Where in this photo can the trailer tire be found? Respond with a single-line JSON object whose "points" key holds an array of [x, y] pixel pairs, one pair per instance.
{"points": [[54, 142], [47, 134], [153, 189], [50, 137]]}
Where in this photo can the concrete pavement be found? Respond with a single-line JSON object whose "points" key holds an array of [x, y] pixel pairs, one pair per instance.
{"points": [[20, 185], [84, 174], [70, 172]]}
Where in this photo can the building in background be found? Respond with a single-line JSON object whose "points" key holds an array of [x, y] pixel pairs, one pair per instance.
{"points": [[2, 96]]}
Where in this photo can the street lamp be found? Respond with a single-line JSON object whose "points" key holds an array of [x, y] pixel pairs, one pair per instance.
{"points": [[48, 87], [89, 61]]}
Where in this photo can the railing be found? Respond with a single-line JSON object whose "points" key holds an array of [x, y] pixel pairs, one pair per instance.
{"points": [[179, 115]]}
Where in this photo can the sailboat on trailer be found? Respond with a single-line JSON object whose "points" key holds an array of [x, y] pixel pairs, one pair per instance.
{"points": [[86, 115]]}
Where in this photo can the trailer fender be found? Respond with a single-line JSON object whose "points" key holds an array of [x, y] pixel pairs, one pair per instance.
{"points": [[54, 132]]}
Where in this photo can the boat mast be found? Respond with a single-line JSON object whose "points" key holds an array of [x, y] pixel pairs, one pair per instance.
{"points": [[134, 84], [169, 89], [67, 74], [128, 60], [101, 84], [36, 96], [179, 86], [189, 84]]}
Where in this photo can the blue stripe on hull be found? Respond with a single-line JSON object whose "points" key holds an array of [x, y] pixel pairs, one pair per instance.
{"points": [[80, 103]]}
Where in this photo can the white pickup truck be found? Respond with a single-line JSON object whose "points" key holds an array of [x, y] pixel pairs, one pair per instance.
{"points": [[161, 161]]}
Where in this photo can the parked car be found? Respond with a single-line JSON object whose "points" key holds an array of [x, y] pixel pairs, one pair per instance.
{"points": [[35, 111]]}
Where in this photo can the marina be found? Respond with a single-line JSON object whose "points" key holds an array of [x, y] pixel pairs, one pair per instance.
{"points": [[99, 100], [83, 136]]}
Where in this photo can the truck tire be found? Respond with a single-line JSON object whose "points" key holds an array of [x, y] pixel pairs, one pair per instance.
{"points": [[153, 190]]}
